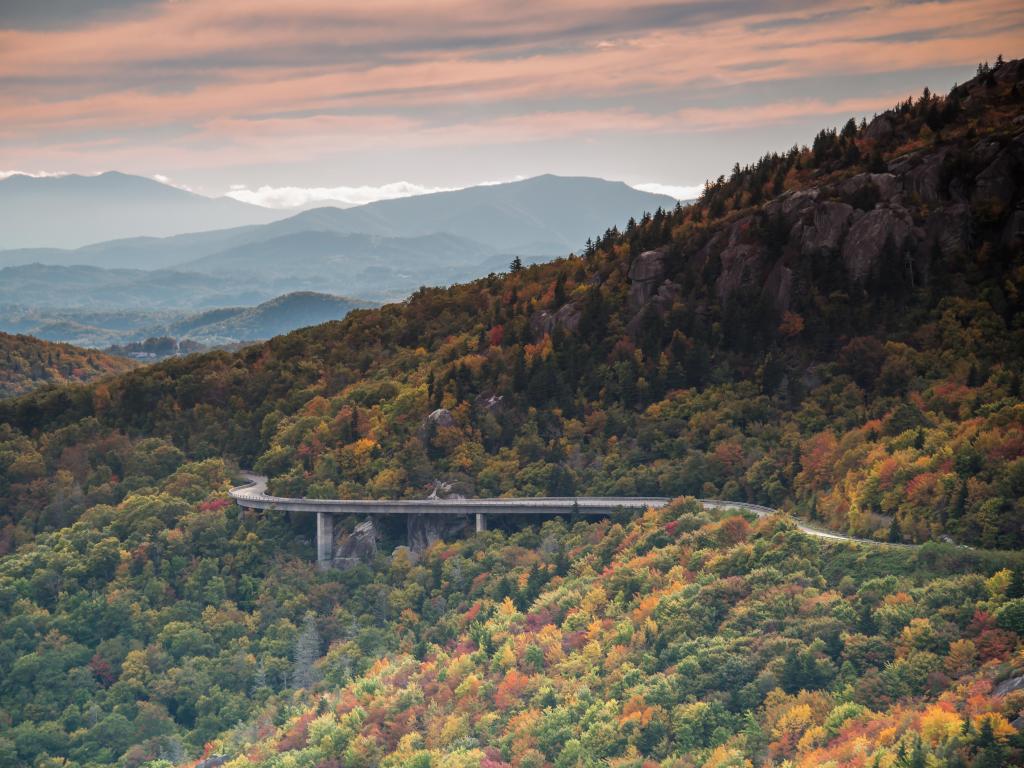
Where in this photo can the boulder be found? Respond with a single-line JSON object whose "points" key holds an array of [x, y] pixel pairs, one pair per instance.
{"points": [[423, 531], [949, 229], [667, 295], [884, 186], [542, 322], [489, 401], [360, 546], [740, 265], [924, 182], [442, 417], [903, 163], [887, 184], [660, 303], [997, 184], [645, 273], [1008, 686], [445, 490], [825, 233], [792, 205], [985, 151], [649, 265], [869, 236], [567, 317], [879, 129]]}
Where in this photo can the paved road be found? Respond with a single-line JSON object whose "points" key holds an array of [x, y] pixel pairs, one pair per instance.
{"points": [[254, 493]]}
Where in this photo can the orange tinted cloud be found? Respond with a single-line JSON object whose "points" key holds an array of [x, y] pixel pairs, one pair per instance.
{"points": [[217, 81]]}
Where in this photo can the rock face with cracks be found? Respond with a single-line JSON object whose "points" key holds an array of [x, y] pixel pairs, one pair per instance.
{"points": [[359, 546], [869, 239], [645, 273]]}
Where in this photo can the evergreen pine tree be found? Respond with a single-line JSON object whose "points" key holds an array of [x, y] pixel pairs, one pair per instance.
{"points": [[895, 535], [1016, 588]]}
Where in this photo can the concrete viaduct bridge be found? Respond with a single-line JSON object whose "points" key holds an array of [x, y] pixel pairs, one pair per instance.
{"points": [[253, 495]]}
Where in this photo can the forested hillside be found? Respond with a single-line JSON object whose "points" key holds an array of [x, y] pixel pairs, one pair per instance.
{"points": [[172, 625], [27, 363], [836, 330]]}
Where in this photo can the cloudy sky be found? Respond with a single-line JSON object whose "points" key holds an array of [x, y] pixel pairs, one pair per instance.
{"points": [[277, 102]]}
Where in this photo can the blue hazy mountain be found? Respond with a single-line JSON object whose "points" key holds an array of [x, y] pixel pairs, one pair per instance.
{"points": [[72, 211], [220, 326], [542, 216]]}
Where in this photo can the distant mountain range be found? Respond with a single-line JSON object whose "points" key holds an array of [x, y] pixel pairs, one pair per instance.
{"points": [[543, 216], [214, 327], [72, 211], [272, 318], [382, 251]]}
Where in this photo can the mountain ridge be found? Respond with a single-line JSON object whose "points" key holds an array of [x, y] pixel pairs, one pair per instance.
{"points": [[27, 363], [98, 208], [391, 218], [216, 327], [834, 330], [813, 292]]}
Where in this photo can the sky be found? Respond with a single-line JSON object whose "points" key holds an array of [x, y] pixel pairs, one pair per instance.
{"points": [[285, 103]]}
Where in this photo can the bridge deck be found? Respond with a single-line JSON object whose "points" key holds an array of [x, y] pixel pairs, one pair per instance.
{"points": [[253, 496], [532, 506]]}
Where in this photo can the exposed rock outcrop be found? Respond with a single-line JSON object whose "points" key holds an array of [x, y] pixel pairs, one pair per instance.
{"points": [[949, 230], [1009, 686], [985, 151], [879, 129], [667, 295], [869, 237], [645, 274], [997, 183], [778, 287], [741, 264], [489, 401], [923, 183], [442, 417], [360, 546], [824, 235], [791, 206], [446, 490], [422, 531], [566, 317], [884, 185]]}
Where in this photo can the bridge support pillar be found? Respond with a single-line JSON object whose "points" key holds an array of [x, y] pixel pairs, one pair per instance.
{"points": [[324, 540], [481, 522]]}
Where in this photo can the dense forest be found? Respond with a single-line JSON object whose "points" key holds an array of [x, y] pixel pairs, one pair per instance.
{"points": [[835, 330], [27, 363], [173, 624]]}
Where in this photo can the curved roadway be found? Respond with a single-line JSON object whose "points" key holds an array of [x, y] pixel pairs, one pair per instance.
{"points": [[253, 494]]}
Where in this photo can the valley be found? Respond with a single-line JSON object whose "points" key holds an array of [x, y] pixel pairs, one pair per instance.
{"points": [[361, 459], [114, 293]]}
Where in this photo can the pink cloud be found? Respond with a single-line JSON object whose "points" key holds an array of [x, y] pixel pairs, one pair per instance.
{"points": [[233, 80]]}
